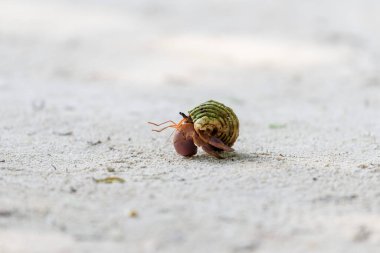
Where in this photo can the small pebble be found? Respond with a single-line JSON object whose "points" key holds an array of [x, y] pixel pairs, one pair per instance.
{"points": [[110, 169], [133, 214]]}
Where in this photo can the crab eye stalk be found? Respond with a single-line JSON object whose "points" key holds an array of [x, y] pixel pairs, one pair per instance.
{"points": [[183, 115]]}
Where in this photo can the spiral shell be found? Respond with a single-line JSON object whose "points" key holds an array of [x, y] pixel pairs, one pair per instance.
{"points": [[216, 120]]}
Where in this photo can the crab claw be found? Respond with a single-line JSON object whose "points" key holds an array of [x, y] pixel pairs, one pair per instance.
{"points": [[184, 146]]}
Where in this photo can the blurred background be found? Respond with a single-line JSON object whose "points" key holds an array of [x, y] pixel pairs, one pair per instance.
{"points": [[212, 43], [79, 79], [281, 49]]}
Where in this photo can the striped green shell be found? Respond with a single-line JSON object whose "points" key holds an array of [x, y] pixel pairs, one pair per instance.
{"points": [[216, 119]]}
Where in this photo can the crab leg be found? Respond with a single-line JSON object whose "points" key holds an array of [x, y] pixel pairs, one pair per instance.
{"points": [[209, 149], [219, 144], [215, 142]]}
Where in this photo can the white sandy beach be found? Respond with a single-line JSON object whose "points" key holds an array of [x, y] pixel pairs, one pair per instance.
{"points": [[80, 79]]}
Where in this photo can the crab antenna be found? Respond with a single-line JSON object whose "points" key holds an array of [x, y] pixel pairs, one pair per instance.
{"points": [[175, 125], [160, 130], [159, 124]]}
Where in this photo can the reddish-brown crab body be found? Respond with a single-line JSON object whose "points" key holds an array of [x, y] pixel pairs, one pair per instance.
{"points": [[186, 139], [211, 125]]}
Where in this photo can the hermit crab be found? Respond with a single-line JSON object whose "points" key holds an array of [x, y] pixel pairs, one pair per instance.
{"points": [[211, 125]]}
